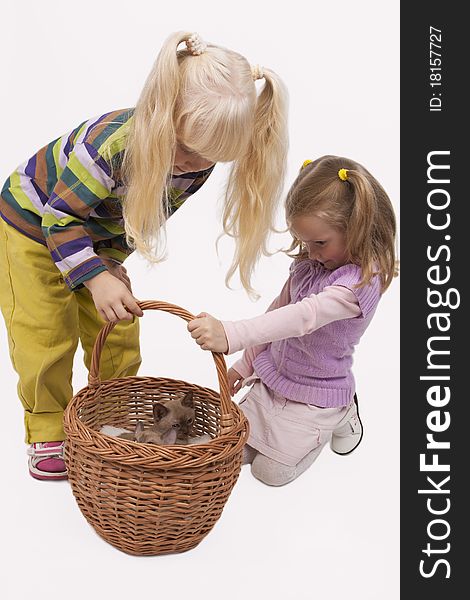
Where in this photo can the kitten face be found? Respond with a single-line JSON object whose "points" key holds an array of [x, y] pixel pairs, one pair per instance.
{"points": [[173, 419], [177, 414]]}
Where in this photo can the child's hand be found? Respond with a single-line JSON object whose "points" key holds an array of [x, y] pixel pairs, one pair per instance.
{"points": [[235, 381], [112, 298], [209, 333]]}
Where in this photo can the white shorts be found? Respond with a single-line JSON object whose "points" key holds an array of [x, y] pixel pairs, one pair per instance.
{"points": [[285, 430]]}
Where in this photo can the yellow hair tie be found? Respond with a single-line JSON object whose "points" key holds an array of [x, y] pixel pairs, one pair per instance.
{"points": [[306, 162], [343, 174]]}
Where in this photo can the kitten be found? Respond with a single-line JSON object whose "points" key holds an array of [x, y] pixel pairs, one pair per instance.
{"points": [[173, 423], [173, 419], [180, 416], [146, 436]]}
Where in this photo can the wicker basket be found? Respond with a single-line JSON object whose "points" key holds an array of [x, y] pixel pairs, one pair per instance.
{"points": [[141, 498]]}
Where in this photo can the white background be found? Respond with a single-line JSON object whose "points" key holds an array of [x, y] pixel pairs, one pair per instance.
{"points": [[332, 533]]}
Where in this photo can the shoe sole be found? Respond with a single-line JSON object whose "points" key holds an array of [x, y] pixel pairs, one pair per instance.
{"points": [[58, 477], [356, 402], [47, 475]]}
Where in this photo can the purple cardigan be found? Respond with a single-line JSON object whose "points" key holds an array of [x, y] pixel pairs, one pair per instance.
{"points": [[316, 368]]}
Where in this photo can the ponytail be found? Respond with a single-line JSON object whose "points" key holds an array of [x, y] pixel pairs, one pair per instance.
{"points": [[150, 153], [361, 221], [256, 180]]}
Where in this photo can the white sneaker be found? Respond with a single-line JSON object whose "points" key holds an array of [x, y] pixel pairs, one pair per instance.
{"points": [[348, 436]]}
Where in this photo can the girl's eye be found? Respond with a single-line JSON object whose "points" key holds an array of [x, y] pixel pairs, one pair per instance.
{"points": [[320, 243]]}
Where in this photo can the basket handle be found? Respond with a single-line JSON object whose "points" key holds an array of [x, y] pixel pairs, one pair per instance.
{"points": [[226, 419]]}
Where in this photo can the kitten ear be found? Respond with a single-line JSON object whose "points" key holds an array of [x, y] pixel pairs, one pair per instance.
{"points": [[139, 428], [188, 400], [159, 411]]}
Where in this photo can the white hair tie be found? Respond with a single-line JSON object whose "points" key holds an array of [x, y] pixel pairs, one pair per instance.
{"points": [[257, 72], [195, 44]]}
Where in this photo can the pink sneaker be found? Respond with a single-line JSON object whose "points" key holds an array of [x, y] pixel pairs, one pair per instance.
{"points": [[46, 461]]}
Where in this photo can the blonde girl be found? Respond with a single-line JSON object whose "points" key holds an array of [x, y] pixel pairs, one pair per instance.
{"points": [[75, 210], [298, 355]]}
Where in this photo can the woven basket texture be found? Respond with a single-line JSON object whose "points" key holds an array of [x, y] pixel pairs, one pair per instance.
{"points": [[146, 499]]}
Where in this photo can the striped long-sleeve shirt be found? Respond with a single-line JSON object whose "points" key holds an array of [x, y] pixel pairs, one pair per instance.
{"points": [[68, 196]]}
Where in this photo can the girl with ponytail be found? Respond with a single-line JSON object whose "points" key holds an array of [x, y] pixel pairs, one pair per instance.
{"points": [[298, 355], [74, 211], [201, 102]]}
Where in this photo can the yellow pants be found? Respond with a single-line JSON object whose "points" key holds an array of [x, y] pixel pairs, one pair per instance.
{"points": [[44, 321]]}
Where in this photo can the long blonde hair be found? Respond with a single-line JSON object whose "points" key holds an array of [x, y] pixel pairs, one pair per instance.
{"points": [[358, 206], [210, 101]]}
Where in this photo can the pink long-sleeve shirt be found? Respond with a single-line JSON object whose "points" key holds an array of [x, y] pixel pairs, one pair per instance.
{"points": [[283, 320], [302, 348]]}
